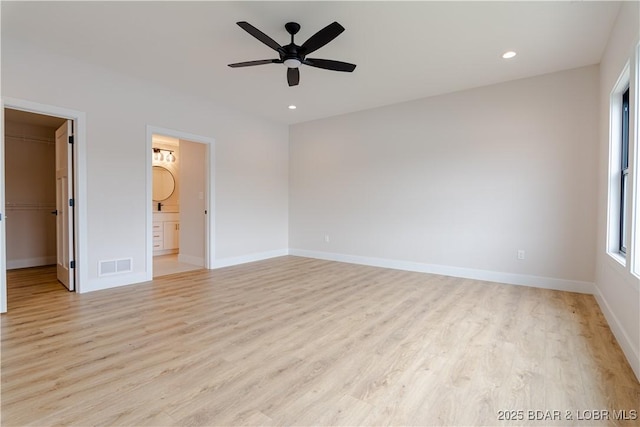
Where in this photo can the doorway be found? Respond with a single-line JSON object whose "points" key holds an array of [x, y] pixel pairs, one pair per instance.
{"points": [[38, 222], [179, 199], [38, 186]]}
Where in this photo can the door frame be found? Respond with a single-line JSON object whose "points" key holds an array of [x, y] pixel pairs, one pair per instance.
{"points": [[80, 187], [209, 191]]}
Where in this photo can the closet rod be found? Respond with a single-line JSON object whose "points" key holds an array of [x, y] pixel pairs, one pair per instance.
{"points": [[30, 206], [28, 138]]}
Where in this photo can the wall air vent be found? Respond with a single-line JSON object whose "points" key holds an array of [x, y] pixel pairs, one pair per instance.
{"points": [[115, 266]]}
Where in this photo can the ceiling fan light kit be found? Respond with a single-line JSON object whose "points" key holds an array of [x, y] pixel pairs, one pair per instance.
{"points": [[292, 55], [292, 62]]}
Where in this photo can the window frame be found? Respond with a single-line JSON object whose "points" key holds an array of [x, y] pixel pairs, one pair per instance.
{"points": [[634, 159], [616, 224], [624, 173]]}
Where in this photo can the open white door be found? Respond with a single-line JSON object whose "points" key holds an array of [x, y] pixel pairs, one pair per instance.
{"points": [[3, 251], [64, 205]]}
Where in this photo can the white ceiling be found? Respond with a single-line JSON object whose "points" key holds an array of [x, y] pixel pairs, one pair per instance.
{"points": [[403, 50]]}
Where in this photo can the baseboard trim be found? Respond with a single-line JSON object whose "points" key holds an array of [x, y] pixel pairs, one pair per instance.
{"points": [[189, 259], [30, 262], [466, 273], [619, 332], [115, 281], [243, 259]]}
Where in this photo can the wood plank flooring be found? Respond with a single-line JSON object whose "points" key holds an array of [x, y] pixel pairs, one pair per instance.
{"points": [[295, 341], [164, 265]]}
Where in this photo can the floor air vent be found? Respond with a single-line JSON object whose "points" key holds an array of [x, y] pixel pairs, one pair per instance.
{"points": [[115, 266]]}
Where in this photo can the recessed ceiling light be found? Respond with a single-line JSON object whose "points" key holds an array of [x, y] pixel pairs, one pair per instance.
{"points": [[508, 55], [292, 107]]}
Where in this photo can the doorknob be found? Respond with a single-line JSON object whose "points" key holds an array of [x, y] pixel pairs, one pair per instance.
{"points": [[55, 212]]}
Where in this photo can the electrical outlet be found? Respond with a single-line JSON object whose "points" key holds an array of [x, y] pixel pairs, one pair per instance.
{"points": [[520, 254]]}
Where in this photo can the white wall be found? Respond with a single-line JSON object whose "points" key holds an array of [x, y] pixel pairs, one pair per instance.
{"points": [[456, 184], [250, 173], [192, 204], [30, 178], [617, 290]]}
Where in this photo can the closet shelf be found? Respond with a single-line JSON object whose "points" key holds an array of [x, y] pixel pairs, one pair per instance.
{"points": [[30, 206]]}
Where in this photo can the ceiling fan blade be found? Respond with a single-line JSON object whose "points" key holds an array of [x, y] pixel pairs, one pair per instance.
{"points": [[328, 64], [251, 63], [293, 76], [259, 35], [322, 37]]}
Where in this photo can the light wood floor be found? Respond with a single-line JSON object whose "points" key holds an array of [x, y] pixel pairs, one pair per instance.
{"points": [[164, 265], [294, 341]]}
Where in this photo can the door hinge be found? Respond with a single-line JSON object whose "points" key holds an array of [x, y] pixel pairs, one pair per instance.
{"points": [[71, 202], [72, 264], [70, 139], [0, 217]]}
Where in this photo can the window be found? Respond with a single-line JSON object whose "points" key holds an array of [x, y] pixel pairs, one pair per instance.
{"points": [[633, 129], [624, 172], [619, 196]]}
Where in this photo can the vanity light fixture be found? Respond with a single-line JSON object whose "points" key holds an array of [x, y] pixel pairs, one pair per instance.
{"points": [[158, 156]]}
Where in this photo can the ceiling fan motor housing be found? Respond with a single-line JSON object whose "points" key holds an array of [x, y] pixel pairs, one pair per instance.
{"points": [[291, 56]]}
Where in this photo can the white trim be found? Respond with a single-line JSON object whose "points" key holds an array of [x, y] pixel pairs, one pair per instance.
{"points": [[3, 248], [619, 332], [114, 281], [30, 262], [634, 162], [613, 171], [467, 273], [618, 259], [243, 259], [80, 177], [623, 275], [160, 252], [209, 203], [193, 260]]}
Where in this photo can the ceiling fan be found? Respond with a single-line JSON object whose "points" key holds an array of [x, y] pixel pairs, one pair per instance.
{"points": [[293, 55]]}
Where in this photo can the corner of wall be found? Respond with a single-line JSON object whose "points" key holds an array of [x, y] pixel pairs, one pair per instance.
{"points": [[619, 332]]}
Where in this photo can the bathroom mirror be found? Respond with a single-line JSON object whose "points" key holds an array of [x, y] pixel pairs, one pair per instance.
{"points": [[163, 183]]}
